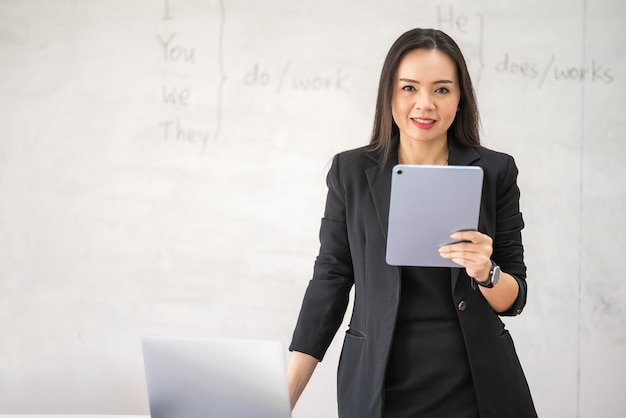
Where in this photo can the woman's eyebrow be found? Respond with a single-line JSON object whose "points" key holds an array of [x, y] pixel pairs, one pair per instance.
{"points": [[409, 80]]}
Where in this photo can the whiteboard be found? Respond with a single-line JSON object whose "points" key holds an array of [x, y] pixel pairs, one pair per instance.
{"points": [[162, 168]]}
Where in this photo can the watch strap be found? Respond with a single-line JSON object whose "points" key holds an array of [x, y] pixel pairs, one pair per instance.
{"points": [[489, 282]]}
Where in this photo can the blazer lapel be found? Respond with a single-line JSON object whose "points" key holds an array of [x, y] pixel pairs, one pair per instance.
{"points": [[460, 155], [379, 180]]}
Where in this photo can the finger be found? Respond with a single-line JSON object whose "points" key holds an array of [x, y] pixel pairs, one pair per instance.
{"points": [[464, 248], [466, 256], [455, 257], [474, 265], [472, 236]]}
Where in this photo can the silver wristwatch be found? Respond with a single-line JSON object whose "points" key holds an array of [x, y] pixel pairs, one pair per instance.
{"points": [[494, 276]]}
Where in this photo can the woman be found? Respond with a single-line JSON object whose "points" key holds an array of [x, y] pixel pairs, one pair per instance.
{"points": [[422, 342]]}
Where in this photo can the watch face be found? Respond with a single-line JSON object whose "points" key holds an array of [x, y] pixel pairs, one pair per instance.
{"points": [[495, 276]]}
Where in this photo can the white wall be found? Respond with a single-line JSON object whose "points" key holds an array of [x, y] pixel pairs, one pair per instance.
{"points": [[162, 169]]}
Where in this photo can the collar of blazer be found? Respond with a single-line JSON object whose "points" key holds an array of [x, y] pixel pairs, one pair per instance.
{"points": [[379, 179], [457, 154]]}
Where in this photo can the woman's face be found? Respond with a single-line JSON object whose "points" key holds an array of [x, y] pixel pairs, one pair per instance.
{"points": [[426, 96]]}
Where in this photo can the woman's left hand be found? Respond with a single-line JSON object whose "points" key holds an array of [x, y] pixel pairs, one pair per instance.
{"points": [[473, 253]]}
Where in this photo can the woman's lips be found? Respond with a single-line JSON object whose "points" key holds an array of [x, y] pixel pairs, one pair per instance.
{"points": [[423, 123]]}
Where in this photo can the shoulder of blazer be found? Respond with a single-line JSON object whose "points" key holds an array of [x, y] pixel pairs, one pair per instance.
{"points": [[498, 165], [492, 156], [488, 159], [362, 158]]}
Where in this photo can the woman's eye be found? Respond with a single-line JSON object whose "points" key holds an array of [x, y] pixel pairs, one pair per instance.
{"points": [[442, 90], [408, 88]]}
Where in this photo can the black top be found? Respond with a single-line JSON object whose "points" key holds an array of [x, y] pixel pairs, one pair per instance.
{"points": [[428, 374], [425, 295]]}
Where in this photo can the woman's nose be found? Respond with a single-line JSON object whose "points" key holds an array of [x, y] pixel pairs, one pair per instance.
{"points": [[424, 101]]}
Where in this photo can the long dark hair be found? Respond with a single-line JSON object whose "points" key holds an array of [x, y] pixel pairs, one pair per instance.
{"points": [[465, 127]]}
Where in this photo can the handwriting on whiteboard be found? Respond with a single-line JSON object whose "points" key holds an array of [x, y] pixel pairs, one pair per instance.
{"points": [[334, 80], [470, 30], [184, 76], [176, 96]]}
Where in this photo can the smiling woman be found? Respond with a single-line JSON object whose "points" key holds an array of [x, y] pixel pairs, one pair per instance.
{"points": [[418, 334]]}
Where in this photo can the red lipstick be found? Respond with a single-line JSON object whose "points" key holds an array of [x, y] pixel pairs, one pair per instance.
{"points": [[423, 123]]}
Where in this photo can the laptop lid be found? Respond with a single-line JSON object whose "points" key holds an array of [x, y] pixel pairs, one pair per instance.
{"points": [[192, 377], [428, 203]]}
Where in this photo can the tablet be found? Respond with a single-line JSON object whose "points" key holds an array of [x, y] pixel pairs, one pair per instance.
{"points": [[428, 203]]}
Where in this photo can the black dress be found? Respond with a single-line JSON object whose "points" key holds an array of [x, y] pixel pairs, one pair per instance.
{"points": [[428, 374]]}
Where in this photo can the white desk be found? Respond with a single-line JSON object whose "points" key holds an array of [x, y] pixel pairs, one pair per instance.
{"points": [[71, 416]]}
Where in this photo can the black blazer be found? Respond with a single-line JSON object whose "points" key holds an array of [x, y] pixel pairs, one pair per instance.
{"points": [[352, 252]]}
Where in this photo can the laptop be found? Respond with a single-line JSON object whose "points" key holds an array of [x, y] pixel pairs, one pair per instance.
{"points": [[195, 377], [428, 203]]}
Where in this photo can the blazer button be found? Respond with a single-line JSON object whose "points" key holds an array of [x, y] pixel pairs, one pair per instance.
{"points": [[517, 312], [462, 305]]}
